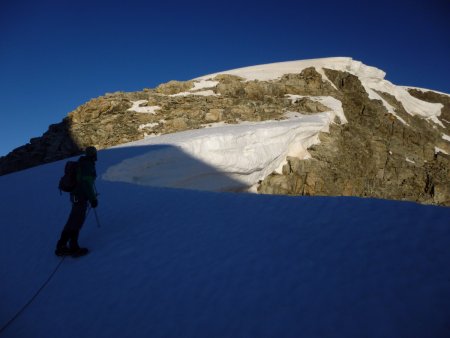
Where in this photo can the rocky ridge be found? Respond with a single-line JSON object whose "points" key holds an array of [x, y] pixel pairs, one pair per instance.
{"points": [[382, 150]]}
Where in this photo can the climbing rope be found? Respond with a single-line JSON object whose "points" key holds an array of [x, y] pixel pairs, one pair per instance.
{"points": [[32, 298]]}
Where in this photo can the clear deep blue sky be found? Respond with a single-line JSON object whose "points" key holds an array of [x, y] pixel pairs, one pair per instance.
{"points": [[56, 55]]}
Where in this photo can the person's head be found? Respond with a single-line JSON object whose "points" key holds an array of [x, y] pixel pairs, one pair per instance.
{"points": [[91, 152]]}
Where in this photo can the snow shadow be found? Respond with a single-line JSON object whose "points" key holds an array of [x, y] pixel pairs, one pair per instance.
{"points": [[163, 165]]}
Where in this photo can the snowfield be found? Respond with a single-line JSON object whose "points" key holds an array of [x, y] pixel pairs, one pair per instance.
{"points": [[170, 263]]}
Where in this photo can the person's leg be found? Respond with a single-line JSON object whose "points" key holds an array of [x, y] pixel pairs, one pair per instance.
{"points": [[62, 243], [78, 221], [73, 242], [74, 223]]}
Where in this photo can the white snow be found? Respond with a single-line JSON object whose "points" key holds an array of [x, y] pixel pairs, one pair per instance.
{"points": [[412, 105], [226, 157], [198, 85], [148, 125], [181, 263], [199, 93], [275, 71], [425, 90], [439, 150], [373, 79], [204, 84], [446, 137], [328, 101], [145, 110]]}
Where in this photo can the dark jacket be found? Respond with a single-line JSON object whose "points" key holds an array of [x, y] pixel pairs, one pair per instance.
{"points": [[86, 175]]}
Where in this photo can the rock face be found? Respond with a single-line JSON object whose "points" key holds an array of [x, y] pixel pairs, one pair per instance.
{"points": [[373, 155], [379, 152]]}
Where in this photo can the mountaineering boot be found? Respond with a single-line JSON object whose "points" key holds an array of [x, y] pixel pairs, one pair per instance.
{"points": [[61, 246], [75, 249], [80, 252], [63, 251]]}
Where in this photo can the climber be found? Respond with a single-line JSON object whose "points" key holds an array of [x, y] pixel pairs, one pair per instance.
{"points": [[83, 193]]}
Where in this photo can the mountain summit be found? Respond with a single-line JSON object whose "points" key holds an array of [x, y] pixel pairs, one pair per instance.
{"points": [[330, 126]]}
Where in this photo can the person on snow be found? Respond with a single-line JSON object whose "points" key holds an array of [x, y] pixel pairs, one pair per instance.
{"points": [[83, 193]]}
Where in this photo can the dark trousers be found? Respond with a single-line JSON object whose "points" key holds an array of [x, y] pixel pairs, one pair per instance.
{"points": [[74, 223]]}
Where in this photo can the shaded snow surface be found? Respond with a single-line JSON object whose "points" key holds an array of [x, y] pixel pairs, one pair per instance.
{"points": [[182, 263]]}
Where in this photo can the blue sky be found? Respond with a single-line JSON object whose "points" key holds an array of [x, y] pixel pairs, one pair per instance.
{"points": [[56, 55]]}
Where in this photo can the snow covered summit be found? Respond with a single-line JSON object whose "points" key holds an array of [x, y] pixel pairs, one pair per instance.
{"points": [[373, 80]]}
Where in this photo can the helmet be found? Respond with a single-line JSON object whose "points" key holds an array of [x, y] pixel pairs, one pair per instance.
{"points": [[91, 152]]}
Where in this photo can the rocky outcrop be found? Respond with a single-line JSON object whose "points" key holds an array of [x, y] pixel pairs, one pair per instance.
{"points": [[56, 143], [374, 154]]}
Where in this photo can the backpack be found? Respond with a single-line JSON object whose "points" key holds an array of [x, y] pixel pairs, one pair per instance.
{"points": [[68, 182]]}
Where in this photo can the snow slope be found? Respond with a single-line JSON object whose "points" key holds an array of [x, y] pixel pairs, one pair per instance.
{"points": [[183, 263]]}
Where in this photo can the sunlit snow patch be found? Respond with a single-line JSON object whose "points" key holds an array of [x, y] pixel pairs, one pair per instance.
{"points": [[328, 101], [146, 110], [412, 105], [148, 126], [196, 90], [204, 84], [439, 150], [221, 158], [199, 93], [424, 90]]}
